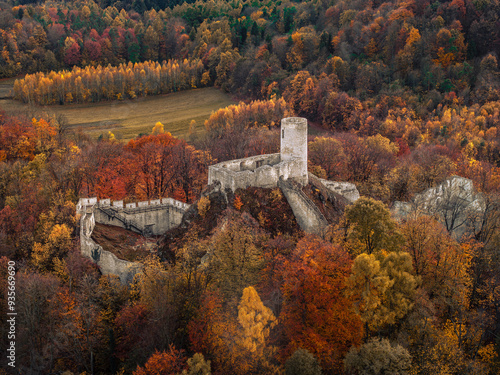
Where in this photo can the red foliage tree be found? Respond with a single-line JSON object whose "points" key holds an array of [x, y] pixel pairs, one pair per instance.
{"points": [[153, 157], [316, 314], [93, 49], [130, 323], [73, 55]]}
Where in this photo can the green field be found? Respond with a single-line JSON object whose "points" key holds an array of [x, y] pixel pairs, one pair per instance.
{"points": [[129, 118]]}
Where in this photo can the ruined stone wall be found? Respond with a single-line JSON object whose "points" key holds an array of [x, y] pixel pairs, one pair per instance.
{"points": [[108, 263], [265, 170], [149, 218], [258, 171], [308, 216], [345, 189]]}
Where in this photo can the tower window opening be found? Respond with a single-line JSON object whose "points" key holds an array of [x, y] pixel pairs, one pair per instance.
{"points": [[282, 133]]}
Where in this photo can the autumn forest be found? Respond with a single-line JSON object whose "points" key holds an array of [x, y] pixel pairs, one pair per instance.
{"points": [[400, 96]]}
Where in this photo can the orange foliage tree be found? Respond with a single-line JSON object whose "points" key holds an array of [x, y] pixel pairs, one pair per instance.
{"points": [[153, 158], [167, 166], [21, 139], [171, 361], [316, 313], [106, 170], [213, 331]]}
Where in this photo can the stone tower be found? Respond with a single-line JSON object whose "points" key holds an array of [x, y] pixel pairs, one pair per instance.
{"points": [[294, 147]]}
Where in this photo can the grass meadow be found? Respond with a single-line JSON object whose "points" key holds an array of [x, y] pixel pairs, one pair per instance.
{"points": [[128, 118]]}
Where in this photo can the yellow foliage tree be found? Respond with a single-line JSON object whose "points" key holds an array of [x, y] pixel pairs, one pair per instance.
{"points": [[383, 290], [158, 128], [203, 206], [367, 285], [255, 322], [57, 246]]}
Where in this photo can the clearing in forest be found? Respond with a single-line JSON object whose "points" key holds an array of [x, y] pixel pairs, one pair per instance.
{"points": [[128, 118]]}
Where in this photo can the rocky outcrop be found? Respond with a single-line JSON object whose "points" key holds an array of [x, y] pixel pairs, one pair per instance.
{"points": [[453, 202]]}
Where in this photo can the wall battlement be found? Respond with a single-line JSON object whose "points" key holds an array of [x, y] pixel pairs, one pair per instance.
{"points": [[135, 206]]}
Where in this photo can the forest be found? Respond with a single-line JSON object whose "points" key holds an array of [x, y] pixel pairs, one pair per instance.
{"points": [[401, 94]]}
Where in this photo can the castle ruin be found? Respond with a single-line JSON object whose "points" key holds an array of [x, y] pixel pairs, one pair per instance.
{"points": [[149, 218], [454, 202], [265, 170], [286, 170]]}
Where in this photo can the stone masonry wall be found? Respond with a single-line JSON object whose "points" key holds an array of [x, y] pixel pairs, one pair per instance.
{"points": [[153, 217], [108, 263], [149, 218], [258, 171], [345, 189], [293, 147], [265, 170], [308, 216]]}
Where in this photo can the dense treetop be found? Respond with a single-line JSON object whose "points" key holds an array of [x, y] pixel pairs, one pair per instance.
{"points": [[251, 47]]}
